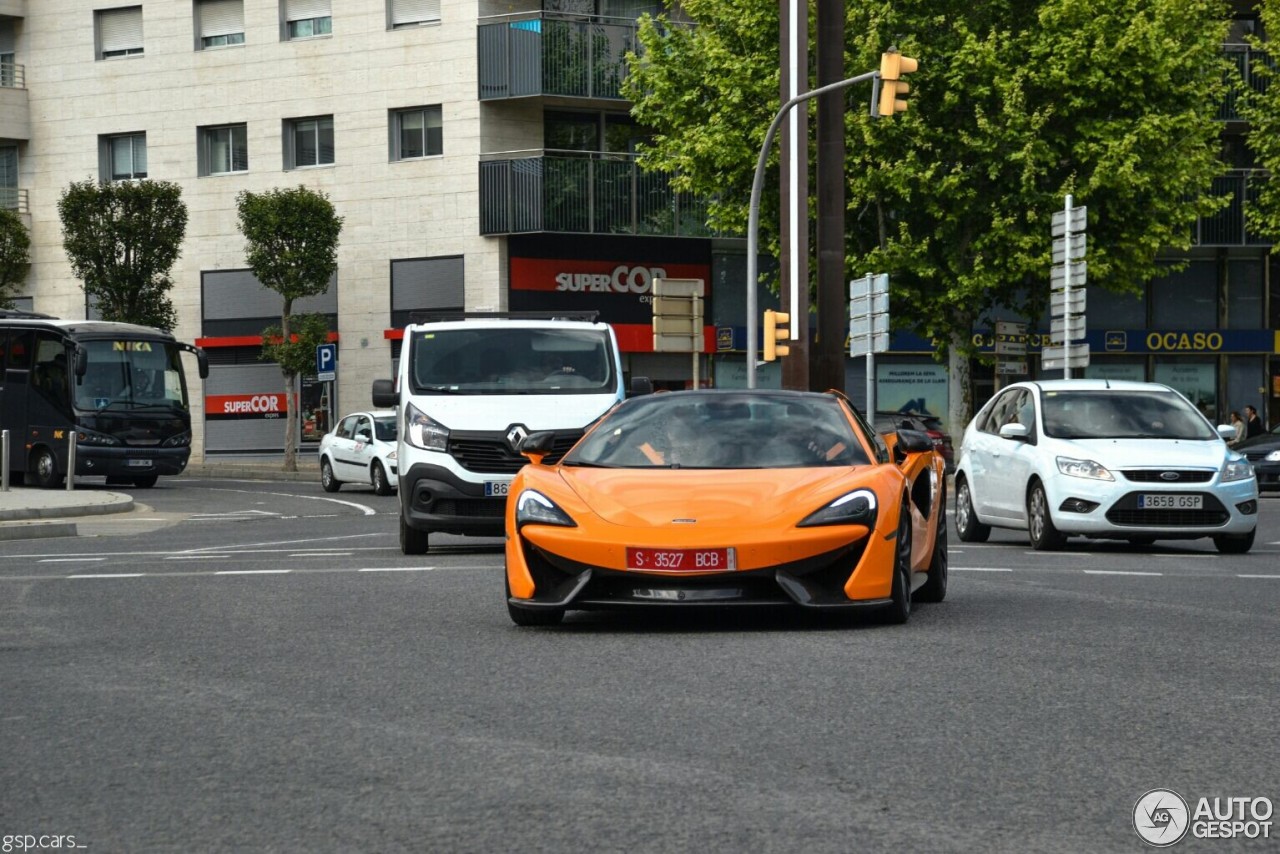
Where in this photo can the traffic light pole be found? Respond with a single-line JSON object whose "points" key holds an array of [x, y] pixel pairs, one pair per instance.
{"points": [[753, 219]]}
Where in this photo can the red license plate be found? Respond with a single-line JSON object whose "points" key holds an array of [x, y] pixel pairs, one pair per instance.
{"points": [[682, 560]]}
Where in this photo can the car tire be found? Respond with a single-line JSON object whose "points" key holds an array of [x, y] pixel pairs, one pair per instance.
{"points": [[145, 482], [531, 616], [898, 611], [1044, 535], [934, 588], [969, 529], [1235, 544], [327, 480], [43, 469], [413, 541], [378, 476]]}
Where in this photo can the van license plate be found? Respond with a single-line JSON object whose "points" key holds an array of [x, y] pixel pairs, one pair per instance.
{"points": [[496, 488], [1170, 502]]}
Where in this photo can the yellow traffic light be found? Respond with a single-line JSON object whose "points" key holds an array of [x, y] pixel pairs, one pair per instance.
{"points": [[775, 330], [893, 89]]}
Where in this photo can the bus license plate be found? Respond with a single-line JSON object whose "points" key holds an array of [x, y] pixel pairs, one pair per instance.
{"points": [[682, 560], [139, 464], [496, 488], [1170, 502]]}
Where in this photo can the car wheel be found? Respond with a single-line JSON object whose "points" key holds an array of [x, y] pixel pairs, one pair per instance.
{"points": [[44, 469], [413, 541], [531, 616], [899, 610], [967, 524], [935, 587], [1235, 544], [327, 480], [145, 482], [1044, 535], [378, 475]]}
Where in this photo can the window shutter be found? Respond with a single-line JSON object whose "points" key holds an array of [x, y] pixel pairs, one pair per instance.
{"points": [[427, 283], [302, 10], [413, 11], [221, 18], [121, 29]]}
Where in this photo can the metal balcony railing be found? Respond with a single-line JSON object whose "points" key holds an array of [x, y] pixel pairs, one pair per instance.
{"points": [[583, 192], [1228, 227], [14, 199], [1247, 61], [13, 76], [544, 53]]}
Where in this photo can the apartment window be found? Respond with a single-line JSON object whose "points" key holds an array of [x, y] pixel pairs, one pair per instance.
{"points": [[220, 23], [411, 13], [124, 156], [305, 19], [416, 133], [308, 142], [224, 149], [119, 32], [8, 70]]}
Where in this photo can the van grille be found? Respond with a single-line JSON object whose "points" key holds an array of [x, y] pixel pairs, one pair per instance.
{"points": [[490, 453]]}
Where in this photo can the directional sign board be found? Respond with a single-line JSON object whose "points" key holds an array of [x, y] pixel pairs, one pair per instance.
{"points": [[1012, 369], [1078, 248], [677, 315], [869, 315], [1011, 338], [1058, 302], [1068, 328], [326, 362], [1058, 274], [1079, 220], [1070, 356]]}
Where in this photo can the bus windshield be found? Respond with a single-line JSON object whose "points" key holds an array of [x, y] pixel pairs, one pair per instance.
{"points": [[131, 374]]}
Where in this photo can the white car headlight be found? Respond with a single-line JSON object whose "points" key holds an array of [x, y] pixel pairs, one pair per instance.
{"points": [[1273, 457], [853, 508], [1236, 469], [421, 431], [533, 506], [1083, 468]]}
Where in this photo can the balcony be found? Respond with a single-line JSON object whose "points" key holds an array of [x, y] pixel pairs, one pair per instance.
{"points": [[1227, 227], [549, 54], [15, 112], [14, 199], [1247, 60], [582, 192]]}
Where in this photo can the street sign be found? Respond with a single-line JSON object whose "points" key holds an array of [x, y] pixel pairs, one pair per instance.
{"points": [[1011, 338], [1069, 356], [1008, 369], [326, 362], [861, 345], [869, 314], [877, 283], [1058, 274], [1078, 220], [876, 324], [1059, 306], [860, 306], [677, 315], [1078, 248], [1072, 327]]}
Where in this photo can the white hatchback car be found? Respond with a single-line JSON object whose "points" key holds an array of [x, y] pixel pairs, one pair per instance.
{"points": [[361, 449], [1101, 458]]}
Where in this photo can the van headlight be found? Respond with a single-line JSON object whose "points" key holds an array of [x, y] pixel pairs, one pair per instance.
{"points": [[1236, 469], [1083, 468], [422, 431]]}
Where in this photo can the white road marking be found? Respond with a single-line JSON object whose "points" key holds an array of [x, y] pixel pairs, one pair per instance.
{"points": [[253, 572], [195, 557], [1258, 576], [980, 569], [363, 508], [1118, 572], [109, 575], [70, 559], [396, 569], [320, 554]]}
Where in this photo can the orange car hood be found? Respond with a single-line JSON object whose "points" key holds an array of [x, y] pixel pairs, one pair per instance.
{"points": [[734, 498]]}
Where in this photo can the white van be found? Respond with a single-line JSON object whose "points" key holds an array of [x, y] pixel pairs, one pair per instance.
{"points": [[469, 390]]}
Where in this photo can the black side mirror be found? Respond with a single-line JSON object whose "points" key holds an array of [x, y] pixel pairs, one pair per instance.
{"points": [[202, 363], [914, 441], [640, 386], [384, 394], [81, 361]]}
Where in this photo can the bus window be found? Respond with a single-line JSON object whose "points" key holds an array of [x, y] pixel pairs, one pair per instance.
{"points": [[49, 375], [19, 351]]}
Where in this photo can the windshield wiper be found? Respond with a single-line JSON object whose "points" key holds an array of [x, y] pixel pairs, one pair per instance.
{"points": [[439, 389]]}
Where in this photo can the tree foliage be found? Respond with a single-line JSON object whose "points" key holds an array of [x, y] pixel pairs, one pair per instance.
{"points": [[122, 239], [1015, 104], [15, 256], [1262, 110], [291, 244]]}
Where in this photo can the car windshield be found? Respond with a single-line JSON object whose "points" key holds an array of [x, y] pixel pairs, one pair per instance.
{"points": [[717, 430], [384, 428], [515, 360], [1127, 414]]}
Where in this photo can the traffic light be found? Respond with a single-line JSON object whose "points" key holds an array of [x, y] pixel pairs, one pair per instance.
{"points": [[775, 330], [893, 89]]}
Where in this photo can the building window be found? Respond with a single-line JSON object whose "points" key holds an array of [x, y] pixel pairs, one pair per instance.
{"points": [[119, 32], [224, 149], [124, 156], [219, 23], [8, 70], [412, 13], [308, 142], [416, 133], [304, 19]]}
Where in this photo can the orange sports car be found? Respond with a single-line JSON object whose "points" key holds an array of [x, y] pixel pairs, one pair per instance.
{"points": [[727, 497]]}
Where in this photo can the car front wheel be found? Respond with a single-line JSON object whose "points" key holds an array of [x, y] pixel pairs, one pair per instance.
{"points": [[1235, 544], [967, 524], [327, 480], [1044, 535], [898, 611], [935, 587], [381, 485]]}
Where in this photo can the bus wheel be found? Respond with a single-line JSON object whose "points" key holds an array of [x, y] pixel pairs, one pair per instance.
{"points": [[146, 482], [44, 468]]}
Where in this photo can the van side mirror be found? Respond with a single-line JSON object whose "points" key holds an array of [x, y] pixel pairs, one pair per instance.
{"points": [[202, 363], [384, 394]]}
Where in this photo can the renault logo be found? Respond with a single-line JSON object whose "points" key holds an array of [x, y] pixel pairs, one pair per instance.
{"points": [[1169, 475], [516, 434]]}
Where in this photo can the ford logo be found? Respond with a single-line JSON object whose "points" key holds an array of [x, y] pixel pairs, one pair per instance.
{"points": [[1169, 475]]}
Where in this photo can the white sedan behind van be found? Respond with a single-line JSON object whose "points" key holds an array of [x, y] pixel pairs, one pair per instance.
{"points": [[1101, 458], [361, 448]]}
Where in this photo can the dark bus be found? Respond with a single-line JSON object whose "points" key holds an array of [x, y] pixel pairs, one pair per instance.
{"points": [[119, 387]]}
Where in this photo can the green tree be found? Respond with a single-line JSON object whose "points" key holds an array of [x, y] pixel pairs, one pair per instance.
{"points": [[122, 239], [1261, 108], [291, 244], [15, 257], [1015, 104]]}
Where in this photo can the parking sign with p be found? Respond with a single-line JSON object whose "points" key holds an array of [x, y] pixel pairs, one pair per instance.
{"points": [[326, 362]]}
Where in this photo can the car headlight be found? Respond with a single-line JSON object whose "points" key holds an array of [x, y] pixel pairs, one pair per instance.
{"points": [[422, 431], [533, 506], [1236, 469], [1083, 468], [852, 508], [391, 455], [1273, 457]]}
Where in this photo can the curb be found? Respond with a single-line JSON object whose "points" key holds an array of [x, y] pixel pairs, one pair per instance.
{"points": [[241, 471], [117, 503], [36, 530]]}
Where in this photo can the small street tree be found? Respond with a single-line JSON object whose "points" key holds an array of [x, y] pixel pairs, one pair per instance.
{"points": [[291, 244], [122, 239], [15, 258]]}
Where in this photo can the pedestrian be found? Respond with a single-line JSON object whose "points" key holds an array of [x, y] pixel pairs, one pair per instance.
{"points": [[1252, 423], [1238, 423]]}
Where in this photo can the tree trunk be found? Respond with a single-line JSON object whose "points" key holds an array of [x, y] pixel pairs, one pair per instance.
{"points": [[960, 398], [290, 408]]}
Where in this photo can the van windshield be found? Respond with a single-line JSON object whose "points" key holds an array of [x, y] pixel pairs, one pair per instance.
{"points": [[511, 360]]}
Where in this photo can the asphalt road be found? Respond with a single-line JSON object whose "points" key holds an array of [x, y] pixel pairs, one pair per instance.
{"points": [[255, 666]]}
